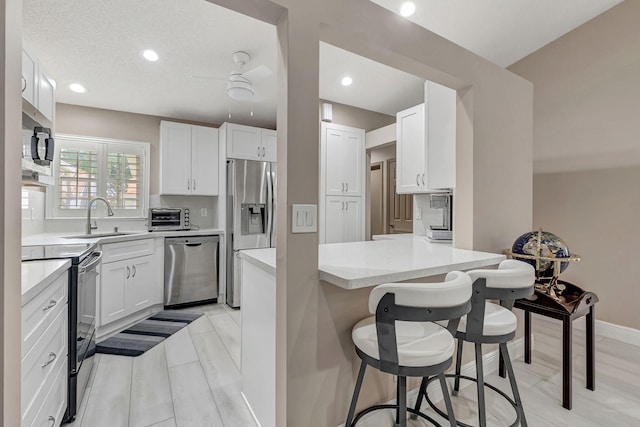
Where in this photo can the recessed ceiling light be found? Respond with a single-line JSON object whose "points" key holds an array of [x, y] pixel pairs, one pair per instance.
{"points": [[77, 88], [150, 55], [408, 8], [346, 81]]}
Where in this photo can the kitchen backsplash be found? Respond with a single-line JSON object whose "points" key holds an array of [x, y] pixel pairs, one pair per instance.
{"points": [[429, 216], [203, 210]]}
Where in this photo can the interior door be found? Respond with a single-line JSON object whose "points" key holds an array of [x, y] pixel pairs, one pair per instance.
{"points": [[400, 205]]}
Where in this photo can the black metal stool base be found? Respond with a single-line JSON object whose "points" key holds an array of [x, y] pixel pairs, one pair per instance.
{"points": [[414, 414], [460, 423]]}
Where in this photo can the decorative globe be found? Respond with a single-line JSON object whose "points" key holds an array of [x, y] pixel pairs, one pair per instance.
{"points": [[551, 246]]}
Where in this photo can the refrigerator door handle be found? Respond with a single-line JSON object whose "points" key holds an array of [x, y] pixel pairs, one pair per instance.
{"points": [[269, 181]]}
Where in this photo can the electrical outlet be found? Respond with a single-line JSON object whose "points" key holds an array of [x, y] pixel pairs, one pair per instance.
{"points": [[203, 212], [418, 213]]}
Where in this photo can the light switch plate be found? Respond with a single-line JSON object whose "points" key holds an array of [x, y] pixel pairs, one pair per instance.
{"points": [[304, 218]]}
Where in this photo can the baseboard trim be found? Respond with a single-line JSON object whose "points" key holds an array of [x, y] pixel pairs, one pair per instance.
{"points": [[602, 329], [490, 363]]}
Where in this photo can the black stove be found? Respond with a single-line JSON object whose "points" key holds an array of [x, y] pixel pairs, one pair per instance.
{"points": [[76, 252]]}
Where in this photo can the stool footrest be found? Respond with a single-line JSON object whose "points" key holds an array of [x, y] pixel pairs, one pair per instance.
{"points": [[464, 377], [412, 411]]}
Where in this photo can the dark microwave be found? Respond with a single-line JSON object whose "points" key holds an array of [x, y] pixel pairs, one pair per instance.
{"points": [[163, 219]]}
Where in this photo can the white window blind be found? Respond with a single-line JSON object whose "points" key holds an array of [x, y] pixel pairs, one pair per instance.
{"points": [[87, 167]]}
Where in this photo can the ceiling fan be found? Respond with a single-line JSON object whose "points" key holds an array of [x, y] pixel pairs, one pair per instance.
{"points": [[240, 83]]}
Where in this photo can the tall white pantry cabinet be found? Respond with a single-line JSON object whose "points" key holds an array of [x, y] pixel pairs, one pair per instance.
{"points": [[342, 178]]}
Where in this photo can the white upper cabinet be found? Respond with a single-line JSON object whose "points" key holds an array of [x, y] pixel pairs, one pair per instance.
{"points": [[29, 77], [204, 161], [38, 89], [249, 143], [426, 143], [441, 136], [343, 159], [410, 149], [188, 159], [46, 94], [269, 145]]}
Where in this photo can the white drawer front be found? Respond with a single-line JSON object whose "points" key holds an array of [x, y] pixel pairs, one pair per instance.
{"points": [[126, 250], [42, 361], [38, 314], [54, 403]]}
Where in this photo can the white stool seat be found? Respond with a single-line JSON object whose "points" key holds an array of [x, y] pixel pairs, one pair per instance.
{"points": [[497, 321], [419, 343]]}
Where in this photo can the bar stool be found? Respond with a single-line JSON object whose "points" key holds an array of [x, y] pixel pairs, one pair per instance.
{"points": [[414, 346], [491, 323]]}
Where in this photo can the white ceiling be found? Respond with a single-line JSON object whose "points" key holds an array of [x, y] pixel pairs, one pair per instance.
{"points": [[502, 31], [98, 44]]}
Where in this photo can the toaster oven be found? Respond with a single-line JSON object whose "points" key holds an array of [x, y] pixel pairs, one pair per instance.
{"points": [[163, 219]]}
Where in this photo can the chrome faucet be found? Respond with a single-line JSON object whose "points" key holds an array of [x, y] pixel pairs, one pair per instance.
{"points": [[109, 212]]}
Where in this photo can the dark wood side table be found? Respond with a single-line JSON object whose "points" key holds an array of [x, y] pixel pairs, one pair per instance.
{"points": [[573, 304]]}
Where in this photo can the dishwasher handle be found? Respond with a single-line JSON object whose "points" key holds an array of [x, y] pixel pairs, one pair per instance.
{"points": [[191, 245], [191, 241]]}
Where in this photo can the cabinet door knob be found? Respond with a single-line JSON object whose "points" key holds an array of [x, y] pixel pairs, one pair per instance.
{"points": [[134, 269], [418, 180], [342, 183], [128, 272], [24, 84], [194, 184], [188, 184], [52, 420], [423, 179], [51, 304], [52, 357], [263, 152], [342, 205], [346, 187], [346, 204], [258, 151]]}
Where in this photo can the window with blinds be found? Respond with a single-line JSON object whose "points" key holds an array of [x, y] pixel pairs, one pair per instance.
{"points": [[86, 168], [77, 177]]}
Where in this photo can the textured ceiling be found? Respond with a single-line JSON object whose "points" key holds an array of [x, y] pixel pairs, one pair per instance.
{"points": [[98, 43]]}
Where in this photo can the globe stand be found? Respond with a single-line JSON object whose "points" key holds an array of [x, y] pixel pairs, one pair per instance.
{"points": [[564, 301]]}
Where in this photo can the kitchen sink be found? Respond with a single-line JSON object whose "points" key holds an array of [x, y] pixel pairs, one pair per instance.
{"points": [[99, 235]]}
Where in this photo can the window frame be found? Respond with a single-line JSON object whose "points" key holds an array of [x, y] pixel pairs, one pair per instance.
{"points": [[99, 211]]}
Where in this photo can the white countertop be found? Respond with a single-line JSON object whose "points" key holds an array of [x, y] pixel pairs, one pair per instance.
{"points": [[396, 236], [37, 275], [361, 264], [263, 258], [61, 238]]}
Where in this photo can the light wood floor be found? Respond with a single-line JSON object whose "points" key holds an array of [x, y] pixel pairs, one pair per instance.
{"points": [[192, 379]]}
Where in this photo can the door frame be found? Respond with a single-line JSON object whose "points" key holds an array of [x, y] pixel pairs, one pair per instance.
{"points": [[382, 164]]}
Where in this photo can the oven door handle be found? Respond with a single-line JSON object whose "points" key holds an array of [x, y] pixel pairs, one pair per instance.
{"points": [[96, 259]]}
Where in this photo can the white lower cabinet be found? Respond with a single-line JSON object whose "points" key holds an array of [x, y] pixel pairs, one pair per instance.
{"points": [[129, 285], [44, 356], [343, 219]]}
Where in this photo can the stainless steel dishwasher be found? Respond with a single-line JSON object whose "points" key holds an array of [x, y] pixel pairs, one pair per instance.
{"points": [[191, 270]]}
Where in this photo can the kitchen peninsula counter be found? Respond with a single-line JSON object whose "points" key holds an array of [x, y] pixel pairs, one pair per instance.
{"points": [[362, 264], [346, 273]]}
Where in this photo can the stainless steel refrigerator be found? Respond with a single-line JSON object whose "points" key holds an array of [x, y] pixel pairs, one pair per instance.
{"points": [[251, 206]]}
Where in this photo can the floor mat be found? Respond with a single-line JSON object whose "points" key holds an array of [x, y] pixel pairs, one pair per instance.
{"points": [[147, 333]]}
